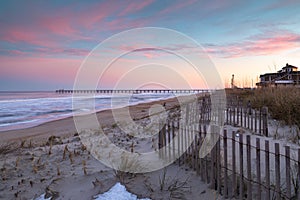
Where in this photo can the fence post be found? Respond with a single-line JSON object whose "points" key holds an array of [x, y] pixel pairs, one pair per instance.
{"points": [[159, 140], [237, 113], [265, 120], [241, 167], [201, 160], [218, 168], [260, 113], [252, 120], [182, 142], [213, 169], [241, 110], [208, 178], [255, 120], [227, 115], [178, 142], [234, 185], [267, 169], [234, 124], [165, 141], [258, 173], [288, 173], [230, 115], [248, 119], [197, 143], [169, 141], [277, 171], [249, 185], [298, 195], [194, 145], [173, 141], [245, 118], [225, 165]]}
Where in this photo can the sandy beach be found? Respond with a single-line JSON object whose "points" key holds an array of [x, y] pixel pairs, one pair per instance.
{"points": [[50, 159]]}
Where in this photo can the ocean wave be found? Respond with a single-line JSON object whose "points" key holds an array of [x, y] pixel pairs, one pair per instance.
{"points": [[54, 112], [7, 115], [27, 112]]}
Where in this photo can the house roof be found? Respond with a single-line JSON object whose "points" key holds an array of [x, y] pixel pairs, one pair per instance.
{"points": [[268, 74], [289, 66]]}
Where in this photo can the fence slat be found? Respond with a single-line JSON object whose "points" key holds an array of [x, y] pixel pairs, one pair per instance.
{"points": [[245, 117], [241, 167], [225, 165], [178, 141], [201, 160], [165, 141], [241, 110], [258, 173], [260, 121], [288, 172], [160, 141], [255, 120], [249, 184], [213, 171], [169, 141], [251, 120], [234, 184], [233, 116], [227, 114], [248, 119], [298, 172], [206, 161], [277, 171], [218, 167], [237, 114], [173, 140], [267, 169], [265, 121]]}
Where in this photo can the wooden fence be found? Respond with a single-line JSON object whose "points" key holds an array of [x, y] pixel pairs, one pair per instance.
{"points": [[255, 120], [238, 166]]}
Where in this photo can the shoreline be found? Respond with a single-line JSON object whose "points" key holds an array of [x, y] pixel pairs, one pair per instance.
{"points": [[65, 126], [26, 124]]}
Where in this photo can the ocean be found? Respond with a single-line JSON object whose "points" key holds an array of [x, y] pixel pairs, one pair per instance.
{"points": [[27, 109]]}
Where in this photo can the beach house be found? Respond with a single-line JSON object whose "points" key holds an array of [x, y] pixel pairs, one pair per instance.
{"points": [[287, 76]]}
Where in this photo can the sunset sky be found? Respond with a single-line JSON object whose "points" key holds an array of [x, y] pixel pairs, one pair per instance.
{"points": [[43, 43]]}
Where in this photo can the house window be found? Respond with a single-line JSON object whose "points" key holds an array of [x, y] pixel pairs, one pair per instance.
{"points": [[289, 77]]}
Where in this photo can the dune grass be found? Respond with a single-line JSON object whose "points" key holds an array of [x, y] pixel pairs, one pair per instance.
{"points": [[283, 103]]}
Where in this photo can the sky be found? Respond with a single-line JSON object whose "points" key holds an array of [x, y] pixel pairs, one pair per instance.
{"points": [[44, 44]]}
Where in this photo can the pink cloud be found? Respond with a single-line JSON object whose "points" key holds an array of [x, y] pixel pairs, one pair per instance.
{"points": [[48, 52], [135, 6], [59, 26], [17, 52], [27, 35], [258, 45], [62, 51], [149, 55], [72, 22]]}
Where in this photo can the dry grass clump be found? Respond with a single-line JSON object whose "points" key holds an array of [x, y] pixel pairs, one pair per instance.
{"points": [[283, 103], [6, 148], [171, 184]]}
